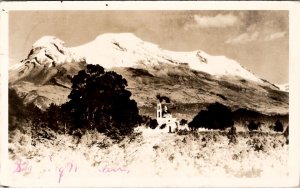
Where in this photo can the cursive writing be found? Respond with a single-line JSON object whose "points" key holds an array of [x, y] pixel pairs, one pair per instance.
{"points": [[113, 170], [65, 169], [22, 166], [69, 167]]}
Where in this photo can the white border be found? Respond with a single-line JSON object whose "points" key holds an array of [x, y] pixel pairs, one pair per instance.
{"points": [[4, 92], [294, 65]]}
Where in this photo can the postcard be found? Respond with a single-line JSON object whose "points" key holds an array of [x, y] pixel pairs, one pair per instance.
{"points": [[150, 94]]}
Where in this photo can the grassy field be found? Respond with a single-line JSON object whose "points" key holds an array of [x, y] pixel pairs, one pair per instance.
{"points": [[148, 153]]}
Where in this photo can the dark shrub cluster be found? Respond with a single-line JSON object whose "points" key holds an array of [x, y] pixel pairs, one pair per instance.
{"points": [[151, 123], [217, 116]]}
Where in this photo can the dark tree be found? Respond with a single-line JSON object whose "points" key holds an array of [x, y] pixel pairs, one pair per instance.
{"points": [[278, 126], [217, 116], [99, 100]]}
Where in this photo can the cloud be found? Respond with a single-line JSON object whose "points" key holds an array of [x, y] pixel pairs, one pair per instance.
{"points": [[274, 36], [255, 36], [243, 38], [261, 31], [218, 21]]}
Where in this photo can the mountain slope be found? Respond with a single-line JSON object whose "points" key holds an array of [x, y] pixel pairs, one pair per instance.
{"points": [[191, 79]]}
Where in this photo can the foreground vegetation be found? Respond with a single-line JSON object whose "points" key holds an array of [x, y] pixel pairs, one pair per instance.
{"points": [[194, 154]]}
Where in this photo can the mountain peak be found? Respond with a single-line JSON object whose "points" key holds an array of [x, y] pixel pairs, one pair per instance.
{"points": [[45, 41], [49, 50], [46, 52], [119, 36]]}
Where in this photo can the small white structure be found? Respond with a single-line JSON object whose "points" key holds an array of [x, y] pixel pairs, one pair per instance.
{"points": [[165, 120]]}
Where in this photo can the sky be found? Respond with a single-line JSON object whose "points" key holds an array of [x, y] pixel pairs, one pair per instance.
{"points": [[258, 40]]}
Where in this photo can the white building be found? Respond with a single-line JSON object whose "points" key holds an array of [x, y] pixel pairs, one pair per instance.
{"points": [[163, 116]]}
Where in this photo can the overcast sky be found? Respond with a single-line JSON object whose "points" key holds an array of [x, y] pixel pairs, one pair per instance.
{"points": [[258, 40]]}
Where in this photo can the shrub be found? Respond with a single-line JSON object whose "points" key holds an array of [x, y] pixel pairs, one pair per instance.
{"points": [[278, 126], [253, 126], [183, 132], [217, 116], [231, 135], [153, 123], [163, 126], [183, 122]]}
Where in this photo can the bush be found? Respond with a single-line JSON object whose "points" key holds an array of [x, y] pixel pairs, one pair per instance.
{"points": [[231, 135], [163, 126], [278, 126], [217, 116], [153, 123], [253, 126], [183, 122]]}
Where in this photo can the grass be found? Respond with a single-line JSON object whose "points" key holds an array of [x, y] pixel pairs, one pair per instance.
{"points": [[150, 154]]}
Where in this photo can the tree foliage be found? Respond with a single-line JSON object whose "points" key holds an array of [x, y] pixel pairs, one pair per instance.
{"points": [[217, 116], [99, 100]]}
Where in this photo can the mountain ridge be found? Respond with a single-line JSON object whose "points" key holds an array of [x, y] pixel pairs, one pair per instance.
{"points": [[137, 50], [188, 77]]}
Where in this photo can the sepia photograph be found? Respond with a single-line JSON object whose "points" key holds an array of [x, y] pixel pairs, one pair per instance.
{"points": [[98, 97]]}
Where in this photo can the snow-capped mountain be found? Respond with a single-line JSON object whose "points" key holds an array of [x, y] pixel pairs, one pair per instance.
{"points": [[47, 52], [127, 50], [188, 78]]}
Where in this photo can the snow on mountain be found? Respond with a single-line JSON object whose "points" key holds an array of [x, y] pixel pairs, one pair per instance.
{"points": [[48, 51], [126, 50], [284, 87], [50, 47], [122, 50]]}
